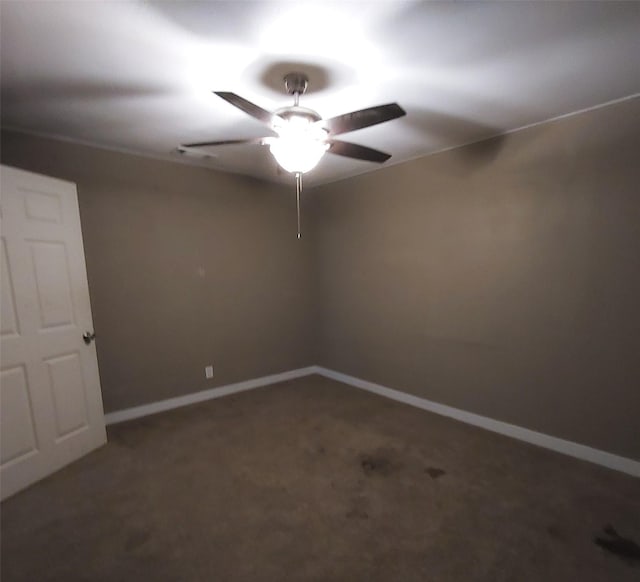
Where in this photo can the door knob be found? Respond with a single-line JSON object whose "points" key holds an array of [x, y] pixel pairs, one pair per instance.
{"points": [[87, 336]]}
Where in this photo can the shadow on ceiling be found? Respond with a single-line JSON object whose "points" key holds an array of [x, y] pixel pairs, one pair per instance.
{"points": [[480, 143], [271, 74], [79, 89]]}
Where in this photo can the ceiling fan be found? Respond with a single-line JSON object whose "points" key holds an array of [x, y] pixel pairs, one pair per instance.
{"points": [[303, 136]]}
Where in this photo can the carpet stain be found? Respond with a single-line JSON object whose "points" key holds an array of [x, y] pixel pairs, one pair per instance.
{"points": [[357, 514], [625, 548], [434, 472], [375, 465]]}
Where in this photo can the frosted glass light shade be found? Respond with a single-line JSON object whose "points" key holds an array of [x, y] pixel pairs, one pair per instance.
{"points": [[299, 146], [297, 155]]}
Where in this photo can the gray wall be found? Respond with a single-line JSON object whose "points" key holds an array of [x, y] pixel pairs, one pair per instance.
{"points": [[501, 278], [149, 227]]}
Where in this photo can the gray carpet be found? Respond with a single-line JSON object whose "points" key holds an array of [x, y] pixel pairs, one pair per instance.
{"points": [[314, 480]]}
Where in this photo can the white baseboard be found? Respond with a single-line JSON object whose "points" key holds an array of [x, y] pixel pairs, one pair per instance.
{"points": [[194, 397], [559, 445], [570, 448]]}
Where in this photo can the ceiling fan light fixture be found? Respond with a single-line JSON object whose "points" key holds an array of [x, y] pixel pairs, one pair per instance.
{"points": [[300, 144], [303, 137]]}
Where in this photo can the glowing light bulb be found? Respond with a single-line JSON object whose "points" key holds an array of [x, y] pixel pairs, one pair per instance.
{"points": [[300, 144]]}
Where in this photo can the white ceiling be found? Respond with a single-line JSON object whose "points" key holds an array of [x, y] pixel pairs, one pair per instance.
{"points": [[138, 76]]}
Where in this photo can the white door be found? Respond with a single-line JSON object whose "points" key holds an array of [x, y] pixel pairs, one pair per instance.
{"points": [[50, 400]]}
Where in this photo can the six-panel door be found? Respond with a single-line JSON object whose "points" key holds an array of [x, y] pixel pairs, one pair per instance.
{"points": [[50, 401]]}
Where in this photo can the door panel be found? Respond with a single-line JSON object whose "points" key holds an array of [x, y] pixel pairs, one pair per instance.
{"points": [[52, 283], [18, 430], [50, 399], [43, 207], [8, 317], [68, 390]]}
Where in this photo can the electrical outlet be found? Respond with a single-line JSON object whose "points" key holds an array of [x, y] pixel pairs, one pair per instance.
{"points": [[208, 371]]}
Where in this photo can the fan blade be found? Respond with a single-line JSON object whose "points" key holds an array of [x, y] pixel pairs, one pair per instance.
{"points": [[363, 118], [246, 106], [359, 152], [257, 140]]}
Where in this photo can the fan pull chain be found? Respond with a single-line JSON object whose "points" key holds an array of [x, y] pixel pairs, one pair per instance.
{"points": [[298, 191]]}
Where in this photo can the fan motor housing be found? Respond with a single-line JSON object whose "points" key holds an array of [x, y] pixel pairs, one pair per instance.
{"points": [[297, 111]]}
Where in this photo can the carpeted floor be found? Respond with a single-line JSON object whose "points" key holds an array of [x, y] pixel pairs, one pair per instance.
{"points": [[314, 480]]}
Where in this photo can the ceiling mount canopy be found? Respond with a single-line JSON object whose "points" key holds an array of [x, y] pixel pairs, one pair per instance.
{"points": [[296, 83]]}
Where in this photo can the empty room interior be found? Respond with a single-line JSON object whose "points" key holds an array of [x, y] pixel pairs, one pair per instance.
{"points": [[320, 291]]}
